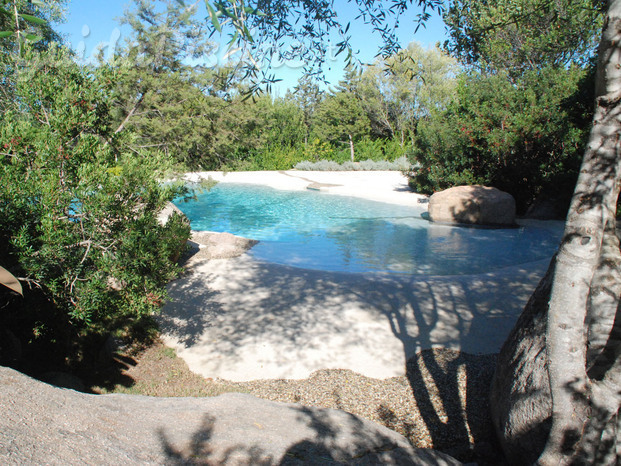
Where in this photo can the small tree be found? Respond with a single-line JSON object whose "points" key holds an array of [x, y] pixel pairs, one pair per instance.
{"points": [[340, 119], [397, 92], [158, 94], [307, 95]]}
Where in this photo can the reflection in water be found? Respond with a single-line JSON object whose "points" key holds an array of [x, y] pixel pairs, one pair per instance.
{"points": [[318, 231]]}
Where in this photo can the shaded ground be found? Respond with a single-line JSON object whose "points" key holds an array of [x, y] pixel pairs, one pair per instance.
{"points": [[441, 403], [242, 319]]}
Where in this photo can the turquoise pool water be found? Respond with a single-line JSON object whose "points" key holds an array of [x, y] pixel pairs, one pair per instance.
{"points": [[315, 230]]}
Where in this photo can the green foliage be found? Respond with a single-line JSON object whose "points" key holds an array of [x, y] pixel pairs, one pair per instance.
{"points": [[196, 116], [157, 93], [398, 91], [255, 135], [269, 158], [516, 36], [260, 30], [340, 118], [318, 150], [280, 122], [521, 138], [28, 22], [521, 124], [380, 149], [307, 95], [78, 213]]}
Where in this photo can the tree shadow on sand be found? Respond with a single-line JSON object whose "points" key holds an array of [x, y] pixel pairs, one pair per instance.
{"points": [[306, 316], [451, 386]]}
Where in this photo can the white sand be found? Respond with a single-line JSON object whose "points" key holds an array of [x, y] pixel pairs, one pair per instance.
{"points": [[382, 186], [240, 319]]}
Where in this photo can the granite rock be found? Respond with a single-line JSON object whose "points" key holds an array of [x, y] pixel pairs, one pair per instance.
{"points": [[42, 424], [475, 205]]}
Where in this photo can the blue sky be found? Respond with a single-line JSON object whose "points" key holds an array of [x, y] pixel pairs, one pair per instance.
{"points": [[92, 23]]}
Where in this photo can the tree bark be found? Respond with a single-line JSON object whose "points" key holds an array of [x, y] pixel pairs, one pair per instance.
{"points": [[351, 147], [578, 349]]}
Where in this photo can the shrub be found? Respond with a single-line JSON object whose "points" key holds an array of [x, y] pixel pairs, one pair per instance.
{"points": [[402, 164], [379, 150], [322, 165], [276, 158], [522, 137], [78, 214], [317, 150]]}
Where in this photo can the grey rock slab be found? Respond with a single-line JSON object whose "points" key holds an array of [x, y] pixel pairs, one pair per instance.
{"points": [[41, 424], [168, 211], [206, 245]]}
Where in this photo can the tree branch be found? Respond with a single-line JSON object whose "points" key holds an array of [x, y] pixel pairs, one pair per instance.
{"points": [[131, 113]]}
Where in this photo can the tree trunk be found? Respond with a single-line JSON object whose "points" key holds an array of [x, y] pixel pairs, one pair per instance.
{"points": [[351, 147], [559, 373]]}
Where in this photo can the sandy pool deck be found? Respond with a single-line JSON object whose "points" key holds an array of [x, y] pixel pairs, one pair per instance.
{"points": [[240, 319]]}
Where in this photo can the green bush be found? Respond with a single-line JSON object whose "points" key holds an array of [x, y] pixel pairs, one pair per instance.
{"points": [[379, 149], [277, 158], [78, 214], [523, 137], [318, 150]]}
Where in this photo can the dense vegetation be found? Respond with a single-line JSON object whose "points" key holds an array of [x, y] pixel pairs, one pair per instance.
{"points": [[522, 111], [206, 119], [78, 208], [474, 112]]}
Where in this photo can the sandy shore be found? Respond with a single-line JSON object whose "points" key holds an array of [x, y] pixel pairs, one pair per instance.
{"points": [[382, 186], [240, 319]]}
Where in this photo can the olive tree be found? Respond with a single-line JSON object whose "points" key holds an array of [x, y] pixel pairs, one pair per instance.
{"points": [[557, 392]]}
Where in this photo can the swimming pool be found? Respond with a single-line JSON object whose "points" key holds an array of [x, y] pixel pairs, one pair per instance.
{"points": [[315, 230]]}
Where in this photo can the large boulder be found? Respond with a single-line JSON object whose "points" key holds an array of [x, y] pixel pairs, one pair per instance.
{"points": [[41, 424], [477, 205]]}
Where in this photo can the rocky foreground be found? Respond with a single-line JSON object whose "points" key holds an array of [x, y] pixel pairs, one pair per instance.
{"points": [[41, 424]]}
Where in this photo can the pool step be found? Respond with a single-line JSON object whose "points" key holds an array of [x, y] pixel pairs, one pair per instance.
{"points": [[322, 186]]}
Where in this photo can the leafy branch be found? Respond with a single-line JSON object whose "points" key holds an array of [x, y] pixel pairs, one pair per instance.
{"points": [[20, 21], [264, 31]]}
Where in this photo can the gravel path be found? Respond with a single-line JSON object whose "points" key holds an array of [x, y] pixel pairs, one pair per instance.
{"points": [[441, 402]]}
